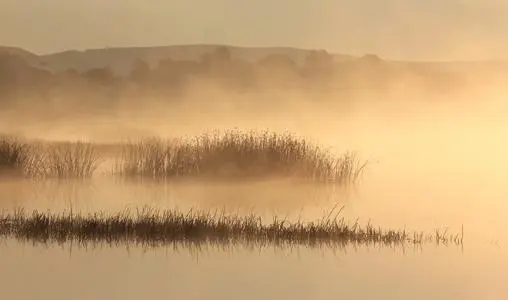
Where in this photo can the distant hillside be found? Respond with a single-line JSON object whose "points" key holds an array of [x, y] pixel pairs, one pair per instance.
{"points": [[120, 59], [26, 55]]}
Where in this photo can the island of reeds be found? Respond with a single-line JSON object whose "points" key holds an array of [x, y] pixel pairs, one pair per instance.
{"points": [[232, 155], [47, 160], [152, 227]]}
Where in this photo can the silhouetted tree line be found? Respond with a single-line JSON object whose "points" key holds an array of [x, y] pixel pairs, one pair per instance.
{"points": [[320, 72]]}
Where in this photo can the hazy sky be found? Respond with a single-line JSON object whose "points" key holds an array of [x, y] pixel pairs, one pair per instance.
{"points": [[406, 29]]}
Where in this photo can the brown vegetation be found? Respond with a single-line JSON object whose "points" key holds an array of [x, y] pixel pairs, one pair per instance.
{"points": [[53, 160], [13, 155], [155, 228], [232, 155], [238, 155]]}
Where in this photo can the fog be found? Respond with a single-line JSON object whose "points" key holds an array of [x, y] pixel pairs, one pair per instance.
{"points": [[436, 161], [432, 162], [428, 112], [396, 29]]}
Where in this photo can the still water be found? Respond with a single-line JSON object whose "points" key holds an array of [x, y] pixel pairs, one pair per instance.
{"points": [[476, 271], [114, 273], [427, 175]]}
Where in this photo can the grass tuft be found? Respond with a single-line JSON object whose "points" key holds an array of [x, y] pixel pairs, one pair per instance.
{"points": [[152, 227], [54, 160], [238, 155], [70, 160], [13, 154]]}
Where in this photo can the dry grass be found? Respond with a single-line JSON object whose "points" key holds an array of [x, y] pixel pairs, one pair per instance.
{"points": [[237, 155], [53, 160], [233, 155], [13, 154], [157, 228], [69, 160]]}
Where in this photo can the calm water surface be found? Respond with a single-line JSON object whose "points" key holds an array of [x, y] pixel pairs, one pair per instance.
{"points": [[478, 271], [210, 273], [421, 178]]}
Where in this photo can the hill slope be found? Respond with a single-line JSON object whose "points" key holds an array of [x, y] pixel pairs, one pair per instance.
{"points": [[120, 59]]}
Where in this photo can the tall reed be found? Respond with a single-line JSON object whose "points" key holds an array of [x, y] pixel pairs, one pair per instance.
{"points": [[158, 227], [13, 155], [237, 154], [48, 160]]}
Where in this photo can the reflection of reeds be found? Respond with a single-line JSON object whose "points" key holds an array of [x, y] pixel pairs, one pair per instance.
{"points": [[52, 160], [236, 155], [154, 228]]}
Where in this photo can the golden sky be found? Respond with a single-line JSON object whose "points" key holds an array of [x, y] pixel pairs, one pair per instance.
{"points": [[397, 29]]}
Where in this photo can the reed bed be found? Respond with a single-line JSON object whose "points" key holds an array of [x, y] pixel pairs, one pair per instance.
{"points": [[48, 160], [148, 226], [69, 160], [238, 155], [13, 154]]}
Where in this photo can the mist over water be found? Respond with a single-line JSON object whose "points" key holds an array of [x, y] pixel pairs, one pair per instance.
{"points": [[433, 163], [434, 134]]}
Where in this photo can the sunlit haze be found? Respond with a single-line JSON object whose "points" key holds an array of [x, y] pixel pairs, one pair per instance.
{"points": [[234, 149], [394, 29]]}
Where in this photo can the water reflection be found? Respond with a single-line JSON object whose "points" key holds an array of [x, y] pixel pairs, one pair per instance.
{"points": [[214, 272], [109, 193], [204, 248], [412, 204]]}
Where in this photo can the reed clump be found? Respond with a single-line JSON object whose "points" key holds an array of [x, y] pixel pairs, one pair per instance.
{"points": [[238, 155], [69, 160], [148, 226], [11, 153], [48, 160]]}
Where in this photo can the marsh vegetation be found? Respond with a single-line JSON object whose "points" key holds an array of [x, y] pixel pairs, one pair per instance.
{"points": [[232, 155], [154, 227], [47, 160], [238, 155]]}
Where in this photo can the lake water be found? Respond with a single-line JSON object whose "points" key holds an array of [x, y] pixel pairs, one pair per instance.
{"points": [[430, 173], [115, 273]]}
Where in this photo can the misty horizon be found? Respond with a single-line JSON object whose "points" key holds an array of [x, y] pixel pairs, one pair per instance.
{"points": [[391, 29], [253, 150], [255, 47]]}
